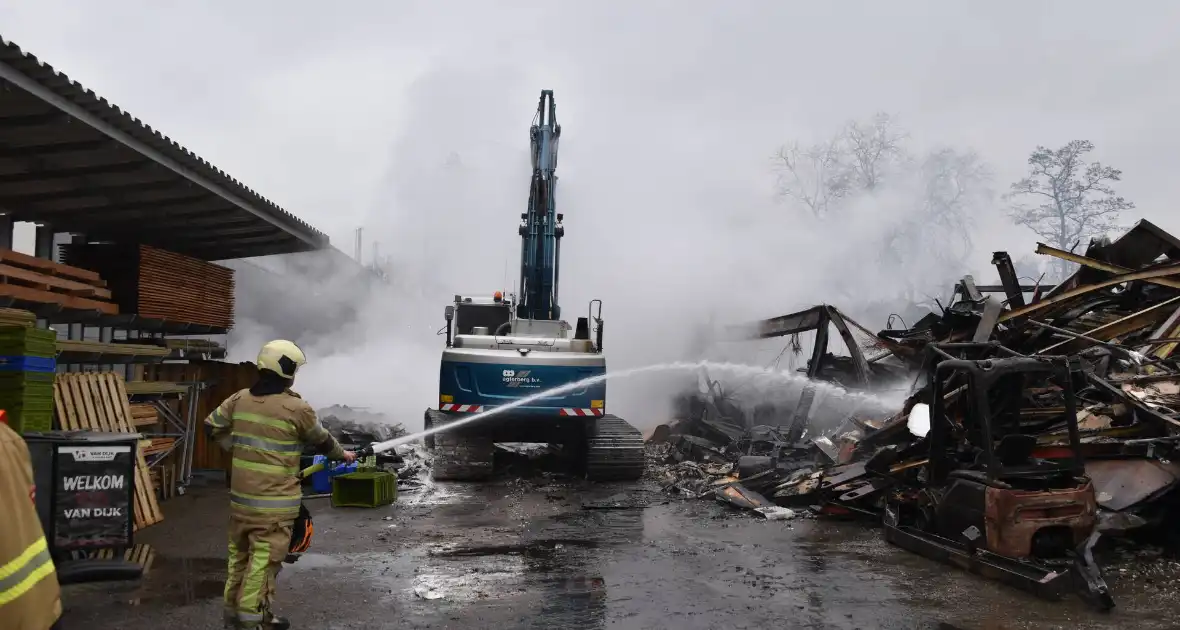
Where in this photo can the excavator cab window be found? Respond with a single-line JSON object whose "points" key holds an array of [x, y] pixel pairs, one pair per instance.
{"points": [[491, 316]]}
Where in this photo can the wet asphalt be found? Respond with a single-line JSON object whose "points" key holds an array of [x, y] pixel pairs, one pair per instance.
{"points": [[544, 554]]}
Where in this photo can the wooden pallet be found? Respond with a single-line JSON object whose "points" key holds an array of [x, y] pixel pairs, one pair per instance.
{"points": [[143, 555], [98, 402]]}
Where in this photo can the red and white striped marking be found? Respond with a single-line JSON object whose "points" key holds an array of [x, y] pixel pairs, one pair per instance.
{"points": [[461, 408], [568, 411]]}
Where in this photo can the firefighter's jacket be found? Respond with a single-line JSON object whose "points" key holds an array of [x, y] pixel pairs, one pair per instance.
{"points": [[266, 435], [30, 598]]}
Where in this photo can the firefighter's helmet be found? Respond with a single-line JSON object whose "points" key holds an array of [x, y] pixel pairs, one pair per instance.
{"points": [[281, 357]]}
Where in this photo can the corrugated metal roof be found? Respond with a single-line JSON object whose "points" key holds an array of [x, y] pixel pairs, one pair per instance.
{"points": [[80, 104]]}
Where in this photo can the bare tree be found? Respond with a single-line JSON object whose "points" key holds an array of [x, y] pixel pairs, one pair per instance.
{"points": [[1072, 200], [934, 241], [857, 159], [815, 176], [952, 182], [872, 147]]}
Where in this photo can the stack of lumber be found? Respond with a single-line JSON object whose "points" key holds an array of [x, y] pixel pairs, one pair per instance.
{"points": [[207, 346], [155, 387], [144, 415], [158, 284], [98, 402], [27, 370], [183, 348], [40, 281], [99, 347], [158, 445]]}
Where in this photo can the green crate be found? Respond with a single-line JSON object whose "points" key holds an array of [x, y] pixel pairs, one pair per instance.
{"points": [[23, 379], [27, 404], [364, 489], [30, 388], [24, 341], [26, 333], [10, 397], [29, 421], [34, 405], [40, 350]]}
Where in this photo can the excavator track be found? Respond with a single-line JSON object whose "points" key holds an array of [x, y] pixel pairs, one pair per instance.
{"points": [[614, 451], [458, 455]]}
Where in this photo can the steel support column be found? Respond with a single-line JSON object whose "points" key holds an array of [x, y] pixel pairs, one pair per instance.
{"points": [[6, 228]]}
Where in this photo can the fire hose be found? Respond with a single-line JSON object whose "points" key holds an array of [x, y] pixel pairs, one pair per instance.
{"points": [[303, 528]]}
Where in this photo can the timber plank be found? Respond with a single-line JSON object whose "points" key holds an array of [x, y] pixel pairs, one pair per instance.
{"points": [[29, 294], [48, 266]]}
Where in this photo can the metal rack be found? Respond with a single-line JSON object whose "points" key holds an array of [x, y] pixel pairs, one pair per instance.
{"points": [[185, 425]]}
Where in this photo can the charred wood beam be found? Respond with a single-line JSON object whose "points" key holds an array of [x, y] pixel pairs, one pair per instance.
{"points": [[1008, 279], [999, 288], [1099, 265], [1126, 352], [1122, 326], [1146, 274]]}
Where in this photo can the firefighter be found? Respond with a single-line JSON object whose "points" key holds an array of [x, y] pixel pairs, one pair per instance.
{"points": [[30, 597], [265, 427]]}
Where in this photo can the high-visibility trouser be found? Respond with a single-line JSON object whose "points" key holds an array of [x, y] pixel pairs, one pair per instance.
{"points": [[19, 575], [256, 553]]}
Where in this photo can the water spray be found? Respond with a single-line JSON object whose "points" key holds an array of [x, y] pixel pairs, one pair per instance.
{"points": [[681, 366]]}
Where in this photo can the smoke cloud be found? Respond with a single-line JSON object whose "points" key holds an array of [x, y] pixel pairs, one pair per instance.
{"points": [[411, 119], [674, 241]]}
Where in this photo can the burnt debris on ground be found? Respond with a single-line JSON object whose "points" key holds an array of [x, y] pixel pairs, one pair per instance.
{"points": [[1038, 433]]}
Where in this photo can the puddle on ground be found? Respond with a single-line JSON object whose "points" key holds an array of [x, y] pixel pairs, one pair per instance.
{"points": [[165, 582], [536, 548]]}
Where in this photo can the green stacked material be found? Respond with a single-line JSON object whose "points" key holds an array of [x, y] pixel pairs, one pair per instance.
{"points": [[364, 489], [29, 342], [27, 396], [27, 399]]}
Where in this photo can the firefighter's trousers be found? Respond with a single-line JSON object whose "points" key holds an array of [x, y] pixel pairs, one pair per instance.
{"points": [[256, 552]]}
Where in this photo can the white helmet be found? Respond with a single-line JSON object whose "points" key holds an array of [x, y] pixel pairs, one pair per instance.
{"points": [[281, 357]]}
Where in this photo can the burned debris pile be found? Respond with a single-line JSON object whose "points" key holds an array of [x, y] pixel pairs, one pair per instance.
{"points": [[1037, 422]]}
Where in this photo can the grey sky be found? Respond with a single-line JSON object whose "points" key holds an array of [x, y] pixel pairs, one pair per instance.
{"points": [[412, 117]]}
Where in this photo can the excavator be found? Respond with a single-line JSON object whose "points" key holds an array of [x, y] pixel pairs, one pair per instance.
{"points": [[500, 350]]}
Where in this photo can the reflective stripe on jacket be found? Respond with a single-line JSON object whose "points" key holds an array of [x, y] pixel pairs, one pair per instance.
{"points": [[266, 435], [30, 598]]}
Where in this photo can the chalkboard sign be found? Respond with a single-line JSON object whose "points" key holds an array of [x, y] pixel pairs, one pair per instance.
{"points": [[94, 487]]}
